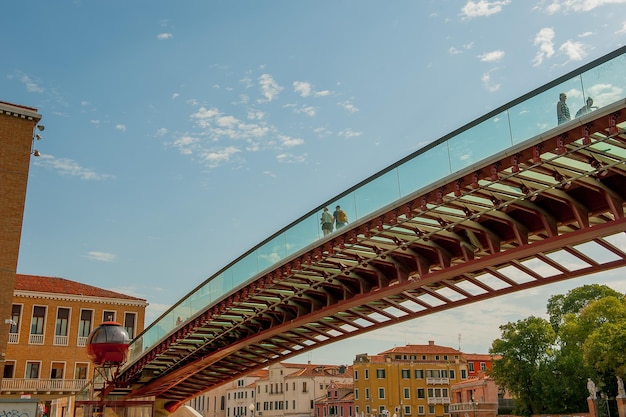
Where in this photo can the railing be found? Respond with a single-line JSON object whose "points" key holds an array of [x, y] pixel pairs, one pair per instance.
{"points": [[438, 400], [35, 339], [60, 340], [14, 338], [42, 385], [437, 381], [81, 341], [512, 124]]}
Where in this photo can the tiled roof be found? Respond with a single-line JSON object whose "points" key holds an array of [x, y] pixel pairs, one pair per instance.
{"points": [[483, 357], [65, 286], [421, 349]]}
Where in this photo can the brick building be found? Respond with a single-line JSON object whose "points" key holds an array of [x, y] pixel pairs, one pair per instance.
{"points": [[50, 320], [18, 125]]}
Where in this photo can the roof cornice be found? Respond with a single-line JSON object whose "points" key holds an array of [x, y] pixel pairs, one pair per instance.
{"points": [[79, 298], [19, 111]]}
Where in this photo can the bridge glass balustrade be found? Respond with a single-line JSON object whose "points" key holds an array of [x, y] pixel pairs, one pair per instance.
{"points": [[604, 81]]}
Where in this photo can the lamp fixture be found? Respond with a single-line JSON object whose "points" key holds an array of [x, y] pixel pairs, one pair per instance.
{"points": [[36, 153]]}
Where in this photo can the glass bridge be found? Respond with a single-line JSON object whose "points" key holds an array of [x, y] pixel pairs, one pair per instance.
{"points": [[529, 116]]}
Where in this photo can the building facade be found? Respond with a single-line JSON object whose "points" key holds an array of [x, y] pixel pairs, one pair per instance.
{"points": [[338, 402], [292, 389], [50, 320], [407, 381]]}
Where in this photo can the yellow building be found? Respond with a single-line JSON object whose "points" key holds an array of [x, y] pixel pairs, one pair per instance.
{"points": [[50, 320], [407, 381]]}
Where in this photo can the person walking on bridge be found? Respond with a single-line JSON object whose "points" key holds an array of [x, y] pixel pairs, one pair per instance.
{"points": [[327, 221], [341, 218], [562, 110]]}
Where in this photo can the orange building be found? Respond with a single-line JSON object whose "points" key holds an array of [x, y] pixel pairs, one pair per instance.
{"points": [[49, 323]]}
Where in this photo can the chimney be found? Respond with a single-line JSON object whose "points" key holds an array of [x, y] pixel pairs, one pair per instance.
{"points": [[431, 343]]}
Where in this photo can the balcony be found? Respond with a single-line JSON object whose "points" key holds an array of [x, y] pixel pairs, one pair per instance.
{"points": [[438, 381], [14, 338], [60, 340], [438, 400], [35, 339], [82, 341], [46, 386]]}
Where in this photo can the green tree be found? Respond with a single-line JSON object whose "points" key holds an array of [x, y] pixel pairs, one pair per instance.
{"points": [[525, 350]]}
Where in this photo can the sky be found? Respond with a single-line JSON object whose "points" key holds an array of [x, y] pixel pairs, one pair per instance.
{"points": [[180, 134]]}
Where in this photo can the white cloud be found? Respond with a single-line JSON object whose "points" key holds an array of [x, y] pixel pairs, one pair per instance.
{"points": [[290, 158], [585, 34], [95, 122], [31, 86], [121, 127], [488, 84], [348, 106], [622, 30], [575, 51], [269, 87], [482, 8], [454, 51], [493, 56], [545, 40], [163, 36], [161, 132], [216, 157], [577, 5], [322, 93], [302, 88], [308, 110], [288, 141], [186, 144], [65, 166], [349, 133], [100, 256], [175, 95]]}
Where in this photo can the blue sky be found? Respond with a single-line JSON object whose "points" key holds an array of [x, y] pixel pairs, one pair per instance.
{"points": [[180, 134]]}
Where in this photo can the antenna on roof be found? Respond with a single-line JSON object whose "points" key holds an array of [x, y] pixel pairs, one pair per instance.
{"points": [[459, 342]]}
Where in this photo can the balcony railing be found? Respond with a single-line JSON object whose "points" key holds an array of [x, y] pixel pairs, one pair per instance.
{"points": [[438, 400], [14, 338], [19, 385], [35, 339], [438, 381], [60, 340], [82, 341]]}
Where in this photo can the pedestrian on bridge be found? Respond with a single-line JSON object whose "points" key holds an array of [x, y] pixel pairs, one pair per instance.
{"points": [[562, 110], [341, 218], [327, 221]]}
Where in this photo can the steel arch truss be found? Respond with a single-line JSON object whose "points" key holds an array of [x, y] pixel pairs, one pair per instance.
{"points": [[548, 211]]}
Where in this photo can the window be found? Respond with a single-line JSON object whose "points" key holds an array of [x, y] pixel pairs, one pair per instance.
{"points": [[84, 326], [431, 409], [452, 374], [61, 326], [16, 313], [419, 374], [108, 315], [32, 370], [367, 374], [406, 374], [380, 373], [483, 366], [420, 393], [80, 371], [367, 393], [56, 371], [356, 375], [470, 366], [381, 393], [129, 323], [9, 370], [463, 374], [304, 387], [420, 409], [407, 410], [38, 321], [406, 393]]}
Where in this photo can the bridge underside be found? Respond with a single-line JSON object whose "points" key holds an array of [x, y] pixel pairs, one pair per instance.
{"points": [[548, 211]]}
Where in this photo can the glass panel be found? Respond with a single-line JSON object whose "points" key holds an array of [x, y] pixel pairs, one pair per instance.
{"points": [[479, 142], [377, 193], [244, 269], [424, 169], [302, 234], [272, 252], [538, 114], [606, 83]]}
